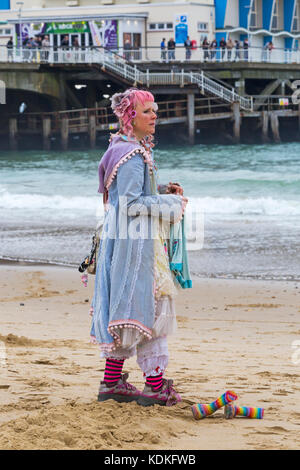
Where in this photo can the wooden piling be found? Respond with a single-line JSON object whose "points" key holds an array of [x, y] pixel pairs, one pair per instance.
{"points": [[191, 118], [236, 122], [299, 117], [64, 133], [265, 127], [46, 133], [275, 127], [92, 131], [13, 131]]}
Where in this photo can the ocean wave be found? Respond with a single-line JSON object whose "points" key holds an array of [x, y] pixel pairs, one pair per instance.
{"points": [[244, 206], [39, 201], [208, 205]]}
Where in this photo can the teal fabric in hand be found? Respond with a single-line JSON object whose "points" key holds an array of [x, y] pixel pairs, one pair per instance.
{"points": [[178, 256]]}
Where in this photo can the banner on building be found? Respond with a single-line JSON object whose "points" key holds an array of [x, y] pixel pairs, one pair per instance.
{"points": [[97, 39], [111, 34], [105, 33], [68, 27], [29, 30], [181, 29]]}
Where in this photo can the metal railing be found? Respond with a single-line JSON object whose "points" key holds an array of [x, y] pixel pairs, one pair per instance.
{"points": [[118, 65], [151, 54], [274, 103], [79, 119]]}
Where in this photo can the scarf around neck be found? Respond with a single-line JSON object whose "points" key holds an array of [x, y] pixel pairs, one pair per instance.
{"points": [[119, 150]]}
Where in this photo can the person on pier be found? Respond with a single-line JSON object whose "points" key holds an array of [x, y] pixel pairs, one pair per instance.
{"points": [[171, 49]]}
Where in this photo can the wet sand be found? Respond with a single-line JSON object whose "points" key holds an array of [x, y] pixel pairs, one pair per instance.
{"points": [[232, 335]]}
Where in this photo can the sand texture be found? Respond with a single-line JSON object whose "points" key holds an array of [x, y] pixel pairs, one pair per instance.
{"points": [[232, 335]]}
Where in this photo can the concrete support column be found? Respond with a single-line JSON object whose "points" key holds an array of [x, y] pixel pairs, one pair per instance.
{"points": [[299, 117], [92, 131], [46, 133], [62, 92], [64, 133], [275, 127], [13, 131], [91, 95], [265, 126], [236, 122], [191, 118]]}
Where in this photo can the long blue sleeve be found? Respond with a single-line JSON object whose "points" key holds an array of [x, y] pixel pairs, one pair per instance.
{"points": [[130, 182]]}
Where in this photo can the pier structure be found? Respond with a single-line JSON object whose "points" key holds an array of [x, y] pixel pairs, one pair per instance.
{"points": [[189, 115], [210, 94]]}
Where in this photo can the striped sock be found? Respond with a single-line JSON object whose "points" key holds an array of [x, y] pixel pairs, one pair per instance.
{"points": [[113, 370], [155, 381]]}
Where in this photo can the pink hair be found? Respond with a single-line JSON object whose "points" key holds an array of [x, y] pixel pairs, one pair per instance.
{"points": [[124, 104]]}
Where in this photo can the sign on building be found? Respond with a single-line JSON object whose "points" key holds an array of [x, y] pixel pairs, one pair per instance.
{"points": [[181, 28]]}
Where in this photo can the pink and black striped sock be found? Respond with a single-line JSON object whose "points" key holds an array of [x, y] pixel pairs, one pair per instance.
{"points": [[113, 370], [155, 382]]}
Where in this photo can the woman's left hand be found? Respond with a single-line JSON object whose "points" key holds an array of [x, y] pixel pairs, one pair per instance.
{"points": [[174, 188]]}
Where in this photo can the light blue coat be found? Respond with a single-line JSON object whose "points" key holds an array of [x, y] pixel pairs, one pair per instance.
{"points": [[124, 282]]}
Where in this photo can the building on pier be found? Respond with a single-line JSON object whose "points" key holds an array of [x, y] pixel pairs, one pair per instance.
{"points": [[261, 21], [143, 22]]}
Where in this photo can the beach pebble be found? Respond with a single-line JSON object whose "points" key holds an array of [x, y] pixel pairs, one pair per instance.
{"points": [[22, 305], [86, 300]]}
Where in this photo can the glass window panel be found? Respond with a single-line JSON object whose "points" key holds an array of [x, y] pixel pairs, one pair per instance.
{"points": [[253, 19], [274, 22]]}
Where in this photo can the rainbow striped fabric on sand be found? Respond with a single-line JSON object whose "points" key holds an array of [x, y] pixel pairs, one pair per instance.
{"points": [[253, 412], [201, 411]]}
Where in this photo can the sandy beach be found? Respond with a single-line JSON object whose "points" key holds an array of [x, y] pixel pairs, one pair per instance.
{"points": [[232, 335]]}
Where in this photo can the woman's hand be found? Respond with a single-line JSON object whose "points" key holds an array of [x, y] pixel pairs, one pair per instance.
{"points": [[174, 188]]}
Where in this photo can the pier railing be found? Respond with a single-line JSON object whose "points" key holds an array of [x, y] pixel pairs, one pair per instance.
{"points": [[152, 54], [120, 67], [65, 126], [274, 103], [79, 119], [168, 111]]}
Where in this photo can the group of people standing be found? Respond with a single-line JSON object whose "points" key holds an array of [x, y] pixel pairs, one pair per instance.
{"points": [[228, 50], [31, 45], [240, 48]]}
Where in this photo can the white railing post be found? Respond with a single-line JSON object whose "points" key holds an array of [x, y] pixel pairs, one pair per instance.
{"points": [[182, 77], [147, 78]]}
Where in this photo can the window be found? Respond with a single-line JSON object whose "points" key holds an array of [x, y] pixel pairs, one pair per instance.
{"points": [[295, 23], [5, 32], [275, 16], [202, 26], [160, 26], [253, 15]]}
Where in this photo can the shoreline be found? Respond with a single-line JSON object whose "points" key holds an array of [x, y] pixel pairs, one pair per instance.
{"points": [[195, 277]]}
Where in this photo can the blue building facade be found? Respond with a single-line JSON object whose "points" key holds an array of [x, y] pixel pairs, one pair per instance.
{"points": [[261, 21], [4, 4]]}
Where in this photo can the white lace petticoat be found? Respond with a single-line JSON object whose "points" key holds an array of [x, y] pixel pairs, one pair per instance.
{"points": [[152, 355]]}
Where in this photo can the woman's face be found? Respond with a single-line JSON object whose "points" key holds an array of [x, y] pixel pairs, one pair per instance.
{"points": [[144, 121]]}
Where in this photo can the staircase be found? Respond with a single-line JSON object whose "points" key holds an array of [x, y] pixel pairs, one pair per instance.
{"points": [[118, 66]]}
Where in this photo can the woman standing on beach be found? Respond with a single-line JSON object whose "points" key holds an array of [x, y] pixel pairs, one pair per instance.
{"points": [[133, 306]]}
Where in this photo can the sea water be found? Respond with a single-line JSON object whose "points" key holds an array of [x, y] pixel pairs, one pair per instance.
{"points": [[246, 198]]}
